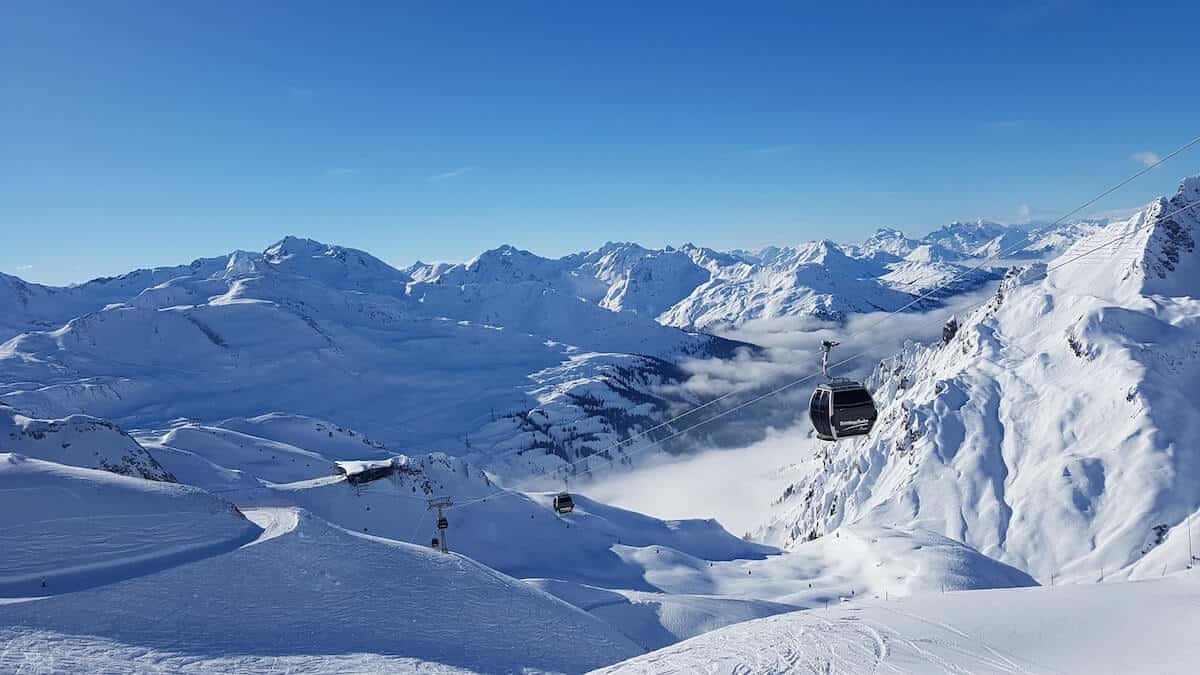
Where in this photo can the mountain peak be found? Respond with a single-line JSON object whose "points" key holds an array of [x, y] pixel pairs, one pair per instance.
{"points": [[293, 245], [1189, 188]]}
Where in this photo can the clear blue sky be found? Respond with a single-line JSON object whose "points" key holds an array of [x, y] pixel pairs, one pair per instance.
{"points": [[149, 133]]}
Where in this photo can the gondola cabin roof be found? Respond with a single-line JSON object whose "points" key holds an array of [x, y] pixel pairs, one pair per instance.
{"points": [[841, 385]]}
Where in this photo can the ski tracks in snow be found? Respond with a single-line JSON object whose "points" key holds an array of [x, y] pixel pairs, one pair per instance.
{"points": [[847, 642]]}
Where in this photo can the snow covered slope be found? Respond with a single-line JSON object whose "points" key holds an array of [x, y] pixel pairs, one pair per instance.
{"points": [[516, 533], [1056, 431], [1142, 627], [230, 452], [656, 581], [63, 528], [78, 440], [313, 599]]}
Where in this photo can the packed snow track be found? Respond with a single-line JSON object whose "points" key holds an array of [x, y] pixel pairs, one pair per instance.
{"points": [[274, 521], [1143, 627]]}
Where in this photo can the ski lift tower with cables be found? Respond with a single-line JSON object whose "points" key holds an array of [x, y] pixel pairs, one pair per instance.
{"points": [[440, 503]]}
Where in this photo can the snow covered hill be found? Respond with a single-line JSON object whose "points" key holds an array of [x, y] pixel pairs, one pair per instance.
{"points": [[1142, 627], [650, 581], [310, 597], [1055, 431], [78, 440], [656, 581], [63, 528]]}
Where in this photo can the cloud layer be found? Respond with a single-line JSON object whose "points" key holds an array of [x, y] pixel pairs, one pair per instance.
{"points": [[764, 446]]}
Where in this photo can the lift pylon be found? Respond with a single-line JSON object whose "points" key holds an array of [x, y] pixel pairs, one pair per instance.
{"points": [[440, 503]]}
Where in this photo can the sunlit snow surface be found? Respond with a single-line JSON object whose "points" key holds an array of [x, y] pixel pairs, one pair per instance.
{"points": [[1140, 627], [1049, 434], [310, 597]]}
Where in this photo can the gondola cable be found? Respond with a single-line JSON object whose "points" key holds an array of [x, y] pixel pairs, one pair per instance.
{"points": [[919, 299], [789, 385]]}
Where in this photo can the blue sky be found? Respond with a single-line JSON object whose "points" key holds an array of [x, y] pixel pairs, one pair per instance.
{"points": [[147, 133]]}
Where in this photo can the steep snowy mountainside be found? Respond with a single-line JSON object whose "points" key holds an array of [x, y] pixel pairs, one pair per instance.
{"points": [[30, 306], [643, 281], [519, 291], [886, 245], [78, 440], [816, 279], [981, 237], [1054, 431], [63, 528]]}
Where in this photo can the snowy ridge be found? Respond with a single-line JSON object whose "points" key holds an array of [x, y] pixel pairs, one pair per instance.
{"points": [[1002, 438], [78, 440]]}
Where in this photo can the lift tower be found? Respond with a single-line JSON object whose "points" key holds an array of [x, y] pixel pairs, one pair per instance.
{"points": [[441, 503]]}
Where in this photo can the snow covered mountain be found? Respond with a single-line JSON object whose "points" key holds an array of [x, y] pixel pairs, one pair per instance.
{"points": [[306, 385], [1055, 430], [427, 357], [507, 353]]}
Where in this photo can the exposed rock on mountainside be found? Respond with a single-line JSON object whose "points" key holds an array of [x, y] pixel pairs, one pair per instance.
{"points": [[1054, 431], [78, 440]]}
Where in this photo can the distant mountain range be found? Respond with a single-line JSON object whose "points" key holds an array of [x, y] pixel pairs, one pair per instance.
{"points": [[509, 356]]}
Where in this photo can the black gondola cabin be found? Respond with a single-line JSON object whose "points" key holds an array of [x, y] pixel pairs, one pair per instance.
{"points": [[563, 503], [841, 408]]}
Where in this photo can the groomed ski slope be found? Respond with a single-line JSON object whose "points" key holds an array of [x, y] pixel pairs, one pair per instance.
{"points": [[310, 597], [1133, 627], [64, 528], [153, 545]]}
